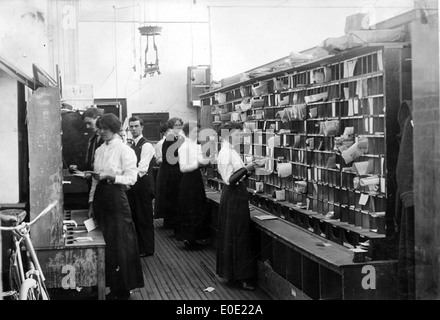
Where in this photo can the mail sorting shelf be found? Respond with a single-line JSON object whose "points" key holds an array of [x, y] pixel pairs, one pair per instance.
{"points": [[296, 264], [340, 230], [363, 89]]}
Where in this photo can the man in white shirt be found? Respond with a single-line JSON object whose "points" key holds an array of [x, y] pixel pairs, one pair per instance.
{"points": [[141, 194]]}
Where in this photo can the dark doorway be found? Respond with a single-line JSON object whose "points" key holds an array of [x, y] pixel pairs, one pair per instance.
{"points": [[116, 106], [152, 123]]}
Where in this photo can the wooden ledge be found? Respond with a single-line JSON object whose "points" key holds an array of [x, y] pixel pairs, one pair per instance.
{"points": [[314, 247]]}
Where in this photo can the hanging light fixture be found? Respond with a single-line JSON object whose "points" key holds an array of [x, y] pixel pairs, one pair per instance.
{"points": [[149, 32]]}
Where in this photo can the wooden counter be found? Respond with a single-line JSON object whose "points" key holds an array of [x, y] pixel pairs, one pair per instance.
{"points": [[294, 263], [75, 265]]}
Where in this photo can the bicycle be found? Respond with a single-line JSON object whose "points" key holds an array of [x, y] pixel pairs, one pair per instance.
{"points": [[29, 285]]}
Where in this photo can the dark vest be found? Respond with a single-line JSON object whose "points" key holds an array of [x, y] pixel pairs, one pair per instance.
{"points": [[138, 150]]}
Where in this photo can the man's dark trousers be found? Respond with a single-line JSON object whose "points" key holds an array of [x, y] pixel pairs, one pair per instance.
{"points": [[140, 199]]}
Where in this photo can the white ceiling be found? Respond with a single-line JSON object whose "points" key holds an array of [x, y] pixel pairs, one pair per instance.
{"points": [[197, 10]]}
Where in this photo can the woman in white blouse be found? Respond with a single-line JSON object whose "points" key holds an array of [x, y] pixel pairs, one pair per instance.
{"points": [[235, 258], [192, 219], [115, 169]]}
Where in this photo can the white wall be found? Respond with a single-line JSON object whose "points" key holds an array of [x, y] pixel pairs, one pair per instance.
{"points": [[181, 44], [160, 93], [231, 35], [9, 192], [23, 33], [247, 34]]}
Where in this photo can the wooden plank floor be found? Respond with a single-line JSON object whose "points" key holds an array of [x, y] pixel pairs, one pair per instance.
{"points": [[177, 273]]}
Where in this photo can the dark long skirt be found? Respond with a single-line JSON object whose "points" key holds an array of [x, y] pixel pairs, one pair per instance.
{"points": [[192, 222], [170, 183], [234, 253], [159, 210], [122, 263], [170, 176], [141, 206]]}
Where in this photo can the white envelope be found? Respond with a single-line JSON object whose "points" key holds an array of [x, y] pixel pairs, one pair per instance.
{"points": [[90, 224]]}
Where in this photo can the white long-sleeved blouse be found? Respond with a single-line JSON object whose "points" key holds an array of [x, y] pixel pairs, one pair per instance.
{"points": [[115, 158], [158, 150], [228, 161], [190, 155], [147, 153]]}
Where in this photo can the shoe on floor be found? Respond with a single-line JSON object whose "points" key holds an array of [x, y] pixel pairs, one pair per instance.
{"points": [[118, 295], [143, 254], [190, 244], [244, 285]]}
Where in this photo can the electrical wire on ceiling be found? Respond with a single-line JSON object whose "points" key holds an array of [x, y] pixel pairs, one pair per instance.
{"points": [[192, 35], [134, 39], [145, 8], [116, 53]]}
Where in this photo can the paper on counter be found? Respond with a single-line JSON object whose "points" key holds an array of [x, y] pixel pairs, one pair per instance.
{"points": [[266, 217], [90, 224], [358, 250], [83, 239], [70, 222], [323, 244], [79, 174], [82, 174]]}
